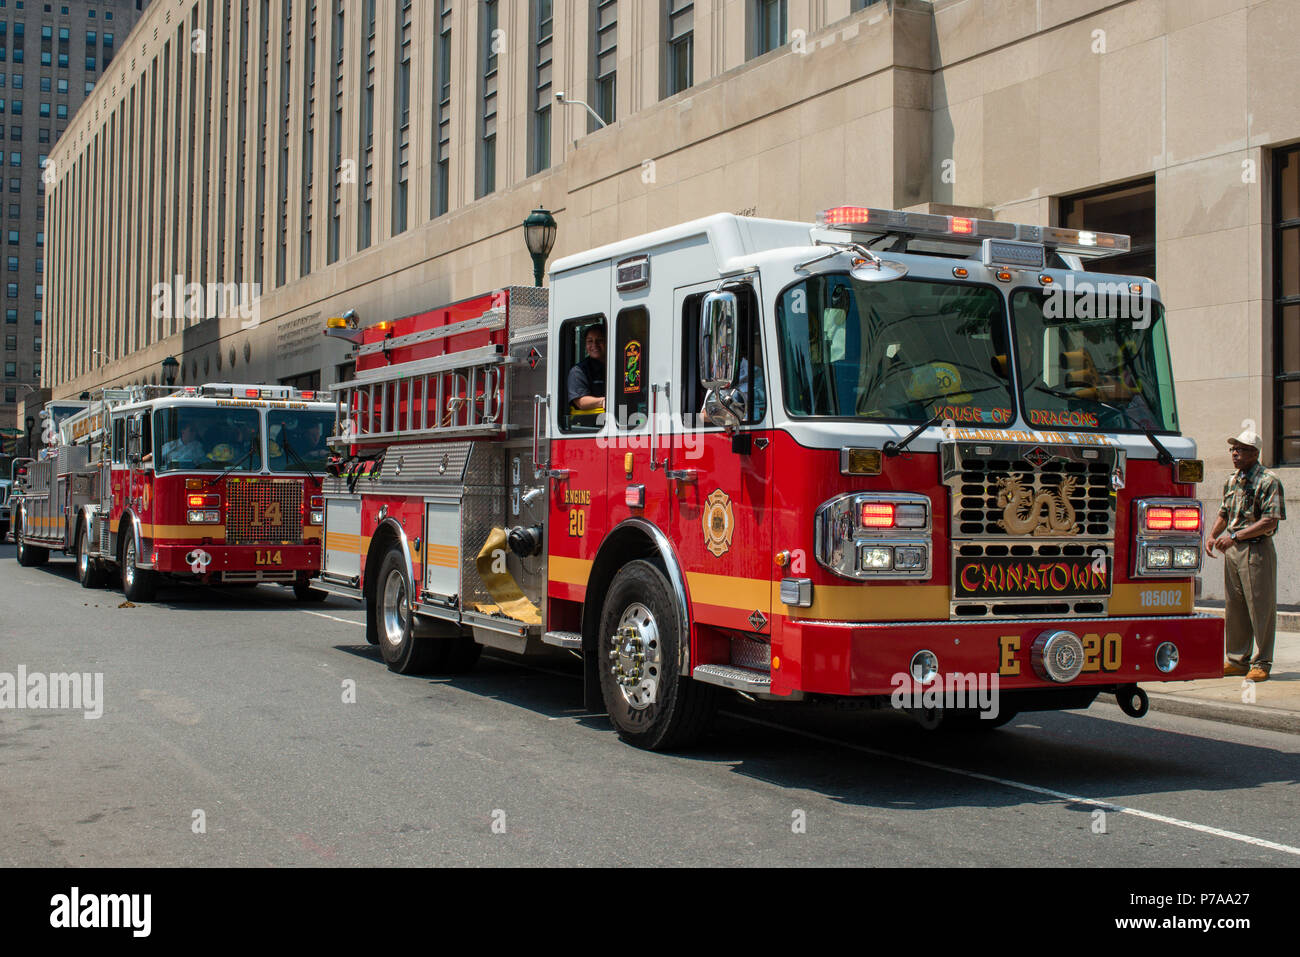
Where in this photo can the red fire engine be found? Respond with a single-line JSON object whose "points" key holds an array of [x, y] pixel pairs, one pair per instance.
{"points": [[798, 461], [216, 483]]}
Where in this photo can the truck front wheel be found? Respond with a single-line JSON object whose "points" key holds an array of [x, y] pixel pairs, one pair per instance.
{"points": [[640, 643], [138, 584]]}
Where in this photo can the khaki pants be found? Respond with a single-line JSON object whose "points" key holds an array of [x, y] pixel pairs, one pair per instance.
{"points": [[1250, 583]]}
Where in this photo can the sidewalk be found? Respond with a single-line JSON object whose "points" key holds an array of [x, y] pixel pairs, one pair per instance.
{"points": [[1277, 701]]}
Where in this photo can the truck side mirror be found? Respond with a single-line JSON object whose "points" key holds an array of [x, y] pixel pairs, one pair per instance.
{"points": [[719, 356]]}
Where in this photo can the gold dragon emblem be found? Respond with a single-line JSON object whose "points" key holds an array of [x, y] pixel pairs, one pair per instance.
{"points": [[1025, 512]]}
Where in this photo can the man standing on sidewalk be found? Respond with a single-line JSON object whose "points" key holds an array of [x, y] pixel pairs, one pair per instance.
{"points": [[1253, 504]]}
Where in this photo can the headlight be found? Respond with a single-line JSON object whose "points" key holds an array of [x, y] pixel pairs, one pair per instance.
{"points": [[199, 517], [877, 558], [909, 557], [1186, 556], [1159, 557], [318, 518]]}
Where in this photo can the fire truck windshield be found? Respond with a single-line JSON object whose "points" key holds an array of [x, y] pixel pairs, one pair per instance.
{"points": [[903, 351], [1093, 361], [297, 440], [199, 439]]}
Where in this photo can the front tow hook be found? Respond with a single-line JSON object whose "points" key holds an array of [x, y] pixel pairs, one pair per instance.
{"points": [[1133, 701]]}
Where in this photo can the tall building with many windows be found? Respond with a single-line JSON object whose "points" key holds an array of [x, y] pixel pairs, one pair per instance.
{"points": [[51, 57], [379, 155]]}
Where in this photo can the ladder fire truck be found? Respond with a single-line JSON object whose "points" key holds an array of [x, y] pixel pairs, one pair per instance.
{"points": [[219, 484], [824, 460]]}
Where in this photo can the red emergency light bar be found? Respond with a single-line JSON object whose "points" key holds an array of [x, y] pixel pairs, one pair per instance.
{"points": [[1080, 242]]}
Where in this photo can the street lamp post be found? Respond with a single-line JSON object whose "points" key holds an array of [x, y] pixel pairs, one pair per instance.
{"points": [[539, 234], [170, 367]]}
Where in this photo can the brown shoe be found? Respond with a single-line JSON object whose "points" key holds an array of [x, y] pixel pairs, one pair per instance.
{"points": [[1232, 669], [1257, 674]]}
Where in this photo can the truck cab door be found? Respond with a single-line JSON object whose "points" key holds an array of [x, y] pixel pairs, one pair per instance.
{"points": [[720, 484]]}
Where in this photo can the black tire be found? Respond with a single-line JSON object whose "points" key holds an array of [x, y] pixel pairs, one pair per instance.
{"points": [[409, 645], [650, 702], [89, 571], [29, 556], [138, 584], [303, 591]]}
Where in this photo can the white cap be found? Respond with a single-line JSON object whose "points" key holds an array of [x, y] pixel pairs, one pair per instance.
{"points": [[1248, 437]]}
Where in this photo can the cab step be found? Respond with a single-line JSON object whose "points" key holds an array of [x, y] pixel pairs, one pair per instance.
{"points": [[738, 679], [563, 639]]}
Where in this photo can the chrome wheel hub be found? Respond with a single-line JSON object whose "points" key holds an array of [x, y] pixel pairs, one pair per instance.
{"points": [[396, 614], [129, 563], [83, 556], [636, 656]]}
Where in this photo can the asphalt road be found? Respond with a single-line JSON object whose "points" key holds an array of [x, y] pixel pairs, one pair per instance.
{"points": [[231, 703]]}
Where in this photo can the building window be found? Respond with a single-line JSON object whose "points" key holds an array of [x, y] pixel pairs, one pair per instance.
{"points": [[442, 83], [543, 50], [11, 316], [402, 120], [308, 141], [769, 25], [491, 41], [604, 91], [367, 131], [11, 343], [336, 134], [1128, 208], [11, 370], [679, 70], [1286, 305], [13, 263]]}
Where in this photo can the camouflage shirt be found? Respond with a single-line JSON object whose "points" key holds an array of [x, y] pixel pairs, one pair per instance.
{"points": [[1252, 495]]}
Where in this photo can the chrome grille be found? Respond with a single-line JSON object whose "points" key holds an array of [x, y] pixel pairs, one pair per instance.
{"points": [[253, 507], [975, 473], [976, 511]]}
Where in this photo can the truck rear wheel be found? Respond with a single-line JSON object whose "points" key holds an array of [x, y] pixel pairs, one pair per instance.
{"points": [[408, 645], [639, 644], [89, 571], [138, 584], [29, 556]]}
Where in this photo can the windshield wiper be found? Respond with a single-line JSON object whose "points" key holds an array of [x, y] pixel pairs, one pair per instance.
{"points": [[1076, 398], [1162, 453], [893, 448], [243, 458], [298, 458], [944, 395]]}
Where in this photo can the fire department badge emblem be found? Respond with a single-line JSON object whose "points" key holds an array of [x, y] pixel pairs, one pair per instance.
{"points": [[719, 523]]}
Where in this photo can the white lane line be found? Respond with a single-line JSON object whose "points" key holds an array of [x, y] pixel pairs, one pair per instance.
{"points": [[1005, 782], [346, 621], [1035, 789]]}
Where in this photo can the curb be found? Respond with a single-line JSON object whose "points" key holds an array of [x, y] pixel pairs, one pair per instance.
{"points": [[1286, 620], [1268, 719]]}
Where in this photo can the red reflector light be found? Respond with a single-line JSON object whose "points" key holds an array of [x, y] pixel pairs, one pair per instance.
{"points": [[1160, 519], [196, 501], [318, 501], [1187, 519], [308, 396], [845, 215], [251, 393], [962, 225], [877, 515]]}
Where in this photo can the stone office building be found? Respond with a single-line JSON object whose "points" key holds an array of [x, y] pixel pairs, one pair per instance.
{"points": [[379, 155], [51, 57]]}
